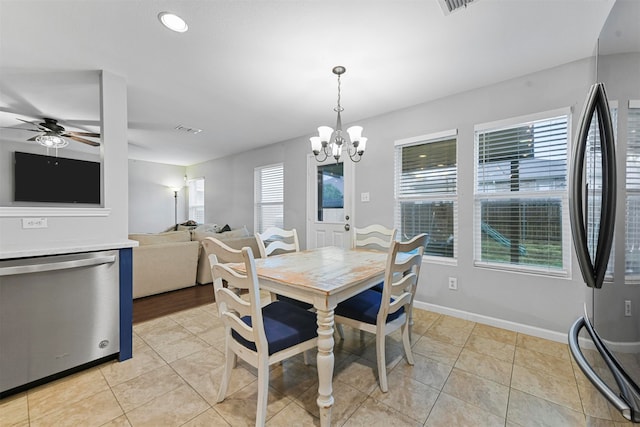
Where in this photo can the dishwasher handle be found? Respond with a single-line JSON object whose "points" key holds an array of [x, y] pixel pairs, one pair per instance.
{"points": [[53, 266]]}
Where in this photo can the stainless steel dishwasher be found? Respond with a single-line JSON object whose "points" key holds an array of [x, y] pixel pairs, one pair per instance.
{"points": [[57, 314]]}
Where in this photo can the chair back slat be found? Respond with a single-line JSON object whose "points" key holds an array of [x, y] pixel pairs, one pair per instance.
{"points": [[374, 236], [276, 239]]}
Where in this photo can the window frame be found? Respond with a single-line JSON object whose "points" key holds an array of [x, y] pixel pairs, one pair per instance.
{"points": [[523, 195], [632, 105], [191, 184], [258, 225], [447, 197]]}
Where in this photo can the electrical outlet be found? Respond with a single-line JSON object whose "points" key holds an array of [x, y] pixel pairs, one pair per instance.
{"points": [[364, 197], [627, 307], [34, 223], [453, 283]]}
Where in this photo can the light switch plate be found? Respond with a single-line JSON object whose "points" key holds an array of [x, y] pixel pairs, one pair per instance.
{"points": [[364, 197]]}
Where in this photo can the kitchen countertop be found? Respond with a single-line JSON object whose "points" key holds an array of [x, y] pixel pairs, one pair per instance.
{"points": [[67, 247]]}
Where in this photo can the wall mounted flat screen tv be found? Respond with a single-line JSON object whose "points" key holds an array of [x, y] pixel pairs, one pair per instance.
{"points": [[40, 178]]}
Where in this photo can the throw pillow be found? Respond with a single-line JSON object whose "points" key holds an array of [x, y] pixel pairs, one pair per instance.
{"points": [[208, 228], [238, 232]]}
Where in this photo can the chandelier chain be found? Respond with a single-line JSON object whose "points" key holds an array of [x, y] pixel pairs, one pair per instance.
{"points": [[339, 107]]}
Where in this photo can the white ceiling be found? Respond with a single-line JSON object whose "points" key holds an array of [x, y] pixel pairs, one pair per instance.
{"points": [[252, 73]]}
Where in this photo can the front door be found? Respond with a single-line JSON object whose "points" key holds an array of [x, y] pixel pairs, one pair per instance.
{"points": [[330, 190]]}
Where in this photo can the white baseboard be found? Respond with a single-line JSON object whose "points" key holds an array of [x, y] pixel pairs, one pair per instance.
{"points": [[561, 337], [498, 323]]}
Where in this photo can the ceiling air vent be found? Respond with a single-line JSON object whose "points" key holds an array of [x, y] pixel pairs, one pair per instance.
{"points": [[187, 129], [449, 6]]}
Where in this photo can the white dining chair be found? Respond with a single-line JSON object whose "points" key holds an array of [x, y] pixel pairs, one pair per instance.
{"points": [[275, 240], [382, 313], [376, 237], [260, 335]]}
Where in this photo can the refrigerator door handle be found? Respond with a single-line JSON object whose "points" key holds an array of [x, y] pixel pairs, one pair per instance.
{"points": [[594, 271]]}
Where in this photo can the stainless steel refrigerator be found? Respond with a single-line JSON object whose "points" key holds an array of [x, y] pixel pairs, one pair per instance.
{"points": [[605, 341], [613, 367]]}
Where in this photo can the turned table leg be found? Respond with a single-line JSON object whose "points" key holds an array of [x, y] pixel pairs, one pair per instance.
{"points": [[325, 365]]}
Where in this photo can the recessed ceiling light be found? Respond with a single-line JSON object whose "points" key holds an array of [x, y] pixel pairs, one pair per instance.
{"points": [[173, 22]]}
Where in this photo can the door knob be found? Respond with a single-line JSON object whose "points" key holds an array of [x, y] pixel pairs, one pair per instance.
{"points": [[347, 227]]}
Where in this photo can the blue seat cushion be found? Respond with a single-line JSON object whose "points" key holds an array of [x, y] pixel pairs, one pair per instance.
{"points": [[285, 325], [301, 304], [364, 307]]}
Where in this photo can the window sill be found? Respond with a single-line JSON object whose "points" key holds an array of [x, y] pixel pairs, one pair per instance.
{"points": [[531, 271], [29, 211]]}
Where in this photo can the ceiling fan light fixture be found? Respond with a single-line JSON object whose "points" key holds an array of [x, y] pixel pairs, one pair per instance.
{"points": [[173, 22], [52, 141]]}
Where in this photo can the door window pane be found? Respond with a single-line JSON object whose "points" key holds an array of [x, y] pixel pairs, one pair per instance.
{"points": [[330, 203]]}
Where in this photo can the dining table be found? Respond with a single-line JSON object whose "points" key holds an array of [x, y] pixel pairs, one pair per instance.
{"points": [[323, 277]]}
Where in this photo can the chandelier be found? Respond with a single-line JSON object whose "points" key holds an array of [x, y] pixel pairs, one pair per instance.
{"points": [[330, 142]]}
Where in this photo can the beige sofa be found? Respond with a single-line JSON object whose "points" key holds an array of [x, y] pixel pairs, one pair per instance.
{"points": [[236, 239], [176, 259], [164, 262]]}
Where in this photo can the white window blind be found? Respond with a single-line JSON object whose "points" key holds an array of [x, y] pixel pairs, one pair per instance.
{"points": [[632, 240], [521, 199], [269, 197], [426, 191], [196, 199]]}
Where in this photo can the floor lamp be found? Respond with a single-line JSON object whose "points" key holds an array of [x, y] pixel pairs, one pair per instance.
{"points": [[175, 214]]}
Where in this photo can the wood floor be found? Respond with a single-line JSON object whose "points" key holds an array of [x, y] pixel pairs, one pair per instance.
{"points": [[154, 306]]}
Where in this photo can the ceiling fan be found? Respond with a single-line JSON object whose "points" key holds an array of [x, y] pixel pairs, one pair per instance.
{"points": [[51, 134]]}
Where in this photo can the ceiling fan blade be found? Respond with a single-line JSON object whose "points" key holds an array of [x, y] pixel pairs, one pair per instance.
{"points": [[29, 130], [84, 141], [73, 133], [33, 139], [41, 128]]}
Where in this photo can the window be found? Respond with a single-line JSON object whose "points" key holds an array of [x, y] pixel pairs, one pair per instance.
{"points": [[426, 191], [196, 199], [269, 197], [521, 197], [632, 239]]}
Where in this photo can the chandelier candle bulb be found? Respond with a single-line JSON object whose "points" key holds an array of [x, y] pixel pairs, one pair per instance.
{"points": [[316, 145], [325, 133], [362, 145], [355, 133]]}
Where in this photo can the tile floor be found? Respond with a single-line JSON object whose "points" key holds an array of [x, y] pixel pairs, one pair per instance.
{"points": [[465, 374]]}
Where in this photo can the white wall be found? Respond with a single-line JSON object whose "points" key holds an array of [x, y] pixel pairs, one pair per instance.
{"points": [[76, 227], [507, 299], [229, 185], [151, 201]]}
